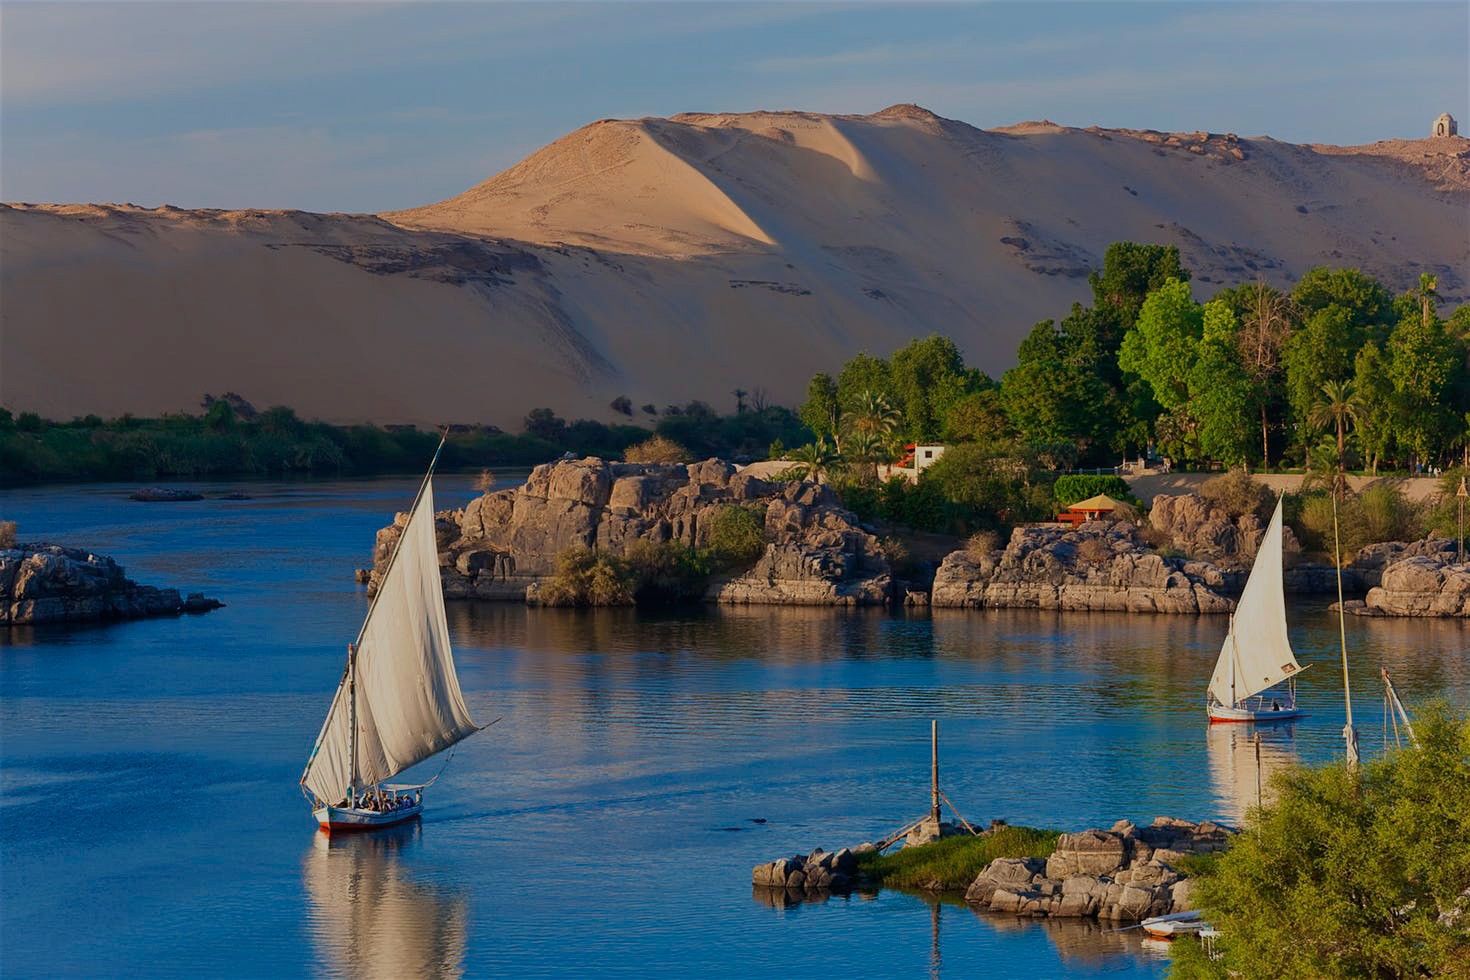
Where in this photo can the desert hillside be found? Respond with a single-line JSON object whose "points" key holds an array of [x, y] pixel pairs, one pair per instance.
{"points": [[669, 259]]}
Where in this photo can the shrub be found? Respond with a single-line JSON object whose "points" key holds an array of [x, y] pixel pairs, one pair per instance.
{"points": [[1380, 513], [657, 449], [737, 535], [982, 543], [1237, 494], [1351, 873], [7, 534], [1095, 551], [665, 571], [1079, 486], [585, 577]]}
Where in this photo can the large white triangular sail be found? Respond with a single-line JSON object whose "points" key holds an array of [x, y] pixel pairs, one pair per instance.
{"points": [[1256, 653], [408, 704]]}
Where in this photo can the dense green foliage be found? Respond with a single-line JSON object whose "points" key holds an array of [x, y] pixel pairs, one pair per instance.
{"points": [[736, 535], [229, 438], [1351, 873], [951, 863], [1080, 486]]}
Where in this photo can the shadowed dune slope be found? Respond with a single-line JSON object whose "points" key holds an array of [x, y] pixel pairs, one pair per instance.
{"points": [[669, 259]]}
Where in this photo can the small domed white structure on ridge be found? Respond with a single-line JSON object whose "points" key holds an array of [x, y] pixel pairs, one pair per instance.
{"points": [[1445, 125]]}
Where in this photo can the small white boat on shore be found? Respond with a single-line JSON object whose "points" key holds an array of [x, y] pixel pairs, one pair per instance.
{"points": [[1256, 655], [398, 702], [1174, 925]]}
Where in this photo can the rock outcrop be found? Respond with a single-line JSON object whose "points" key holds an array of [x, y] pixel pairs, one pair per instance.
{"points": [[1098, 566], [502, 545], [46, 583], [818, 871], [1421, 585], [1124, 873], [1369, 564]]}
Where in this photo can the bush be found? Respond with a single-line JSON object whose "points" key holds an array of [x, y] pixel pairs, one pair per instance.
{"points": [[737, 535], [666, 571], [1380, 513], [657, 449], [1237, 494], [585, 577], [7, 534], [982, 543], [1095, 551], [1351, 874], [1079, 486]]}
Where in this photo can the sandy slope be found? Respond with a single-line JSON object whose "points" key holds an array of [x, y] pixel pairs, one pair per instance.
{"points": [[681, 258]]}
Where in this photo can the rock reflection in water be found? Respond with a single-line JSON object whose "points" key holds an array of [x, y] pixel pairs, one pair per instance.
{"points": [[369, 918], [1080, 941], [1236, 780]]}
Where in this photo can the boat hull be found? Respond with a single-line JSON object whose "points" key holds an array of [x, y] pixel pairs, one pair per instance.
{"points": [[1177, 924], [1220, 713], [343, 819]]}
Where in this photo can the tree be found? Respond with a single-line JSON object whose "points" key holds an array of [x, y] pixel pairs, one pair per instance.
{"points": [[1378, 405], [1337, 409], [1350, 872], [1130, 272], [1266, 316], [874, 416], [739, 394], [543, 423], [1422, 365], [926, 378], [1220, 389], [1161, 347], [978, 417], [863, 373], [815, 459], [821, 411]]}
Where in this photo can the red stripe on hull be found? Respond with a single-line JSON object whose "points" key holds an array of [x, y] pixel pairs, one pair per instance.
{"points": [[356, 828]]}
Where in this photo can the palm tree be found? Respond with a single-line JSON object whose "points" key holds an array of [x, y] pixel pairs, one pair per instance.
{"points": [[867, 448], [874, 415], [815, 459], [1337, 409]]}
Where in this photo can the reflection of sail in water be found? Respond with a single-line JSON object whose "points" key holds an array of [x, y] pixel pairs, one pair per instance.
{"points": [[369, 918], [1232, 759]]}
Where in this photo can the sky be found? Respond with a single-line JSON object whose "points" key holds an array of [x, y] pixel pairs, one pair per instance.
{"points": [[375, 106]]}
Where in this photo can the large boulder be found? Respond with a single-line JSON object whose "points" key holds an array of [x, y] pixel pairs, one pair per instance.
{"points": [[46, 583], [1101, 565], [503, 545], [1419, 586]]}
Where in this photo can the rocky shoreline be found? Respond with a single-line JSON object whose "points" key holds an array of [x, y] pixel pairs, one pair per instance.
{"points": [[1125, 873], [1190, 557], [47, 583]]}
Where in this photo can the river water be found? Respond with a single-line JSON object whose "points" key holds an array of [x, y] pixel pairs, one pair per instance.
{"points": [[150, 821]]}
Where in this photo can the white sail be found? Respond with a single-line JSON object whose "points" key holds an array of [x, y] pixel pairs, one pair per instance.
{"points": [[1256, 653], [404, 691]]}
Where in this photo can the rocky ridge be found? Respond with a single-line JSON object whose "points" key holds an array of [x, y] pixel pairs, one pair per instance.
{"points": [[1100, 565], [505, 544], [1426, 585], [46, 583]]}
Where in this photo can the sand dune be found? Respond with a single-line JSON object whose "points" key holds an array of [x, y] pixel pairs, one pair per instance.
{"points": [[668, 259]]}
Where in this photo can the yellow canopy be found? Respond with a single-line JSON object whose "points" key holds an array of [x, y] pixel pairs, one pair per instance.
{"points": [[1101, 502]]}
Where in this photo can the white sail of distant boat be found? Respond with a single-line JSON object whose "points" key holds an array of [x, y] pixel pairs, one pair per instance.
{"points": [[1256, 654], [399, 701]]}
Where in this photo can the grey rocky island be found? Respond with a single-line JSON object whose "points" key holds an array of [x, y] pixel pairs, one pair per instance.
{"points": [[1187, 556], [47, 583]]}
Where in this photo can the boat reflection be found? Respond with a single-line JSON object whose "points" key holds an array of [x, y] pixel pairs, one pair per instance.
{"points": [[369, 918], [1237, 781]]}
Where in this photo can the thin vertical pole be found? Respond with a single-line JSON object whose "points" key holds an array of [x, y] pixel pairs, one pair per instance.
{"points": [[1258, 768], [352, 721], [1348, 733], [934, 770]]}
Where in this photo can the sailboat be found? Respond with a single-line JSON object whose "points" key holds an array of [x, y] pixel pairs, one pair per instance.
{"points": [[398, 702], [1256, 655]]}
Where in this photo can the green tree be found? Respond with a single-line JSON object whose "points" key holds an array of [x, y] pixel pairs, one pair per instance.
{"points": [[816, 459], [1162, 346], [1350, 873], [1130, 272], [1220, 389], [978, 417], [1378, 405], [1423, 361], [862, 374], [1266, 316], [1335, 411], [927, 378], [821, 411]]}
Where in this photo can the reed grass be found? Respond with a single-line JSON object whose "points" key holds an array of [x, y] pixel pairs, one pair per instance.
{"points": [[951, 864]]}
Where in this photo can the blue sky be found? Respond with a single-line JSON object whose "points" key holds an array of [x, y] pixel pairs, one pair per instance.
{"points": [[373, 106]]}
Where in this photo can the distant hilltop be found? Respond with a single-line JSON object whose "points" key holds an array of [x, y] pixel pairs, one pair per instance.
{"points": [[670, 259]]}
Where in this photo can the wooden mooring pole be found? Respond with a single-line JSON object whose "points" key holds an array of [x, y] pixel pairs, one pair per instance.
{"points": [[934, 770]]}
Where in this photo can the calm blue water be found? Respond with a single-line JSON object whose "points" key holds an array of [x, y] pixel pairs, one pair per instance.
{"points": [[150, 821]]}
